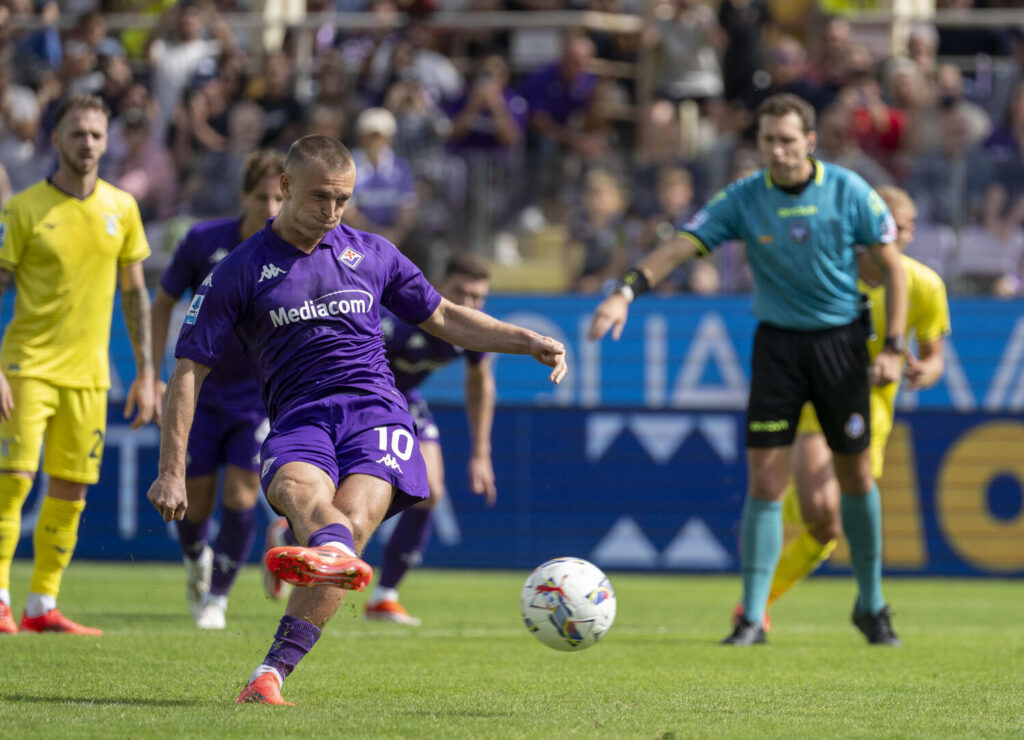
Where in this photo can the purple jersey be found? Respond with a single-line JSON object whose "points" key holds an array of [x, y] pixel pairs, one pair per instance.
{"points": [[414, 354], [382, 191], [308, 323], [230, 383]]}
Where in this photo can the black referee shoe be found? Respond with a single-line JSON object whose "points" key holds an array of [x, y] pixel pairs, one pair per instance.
{"points": [[745, 633], [876, 627]]}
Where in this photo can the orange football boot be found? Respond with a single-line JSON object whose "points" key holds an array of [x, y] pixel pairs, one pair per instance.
{"points": [[318, 566], [54, 621], [265, 689], [7, 624]]}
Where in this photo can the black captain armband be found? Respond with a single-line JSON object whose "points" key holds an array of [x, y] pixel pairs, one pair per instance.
{"points": [[634, 283]]}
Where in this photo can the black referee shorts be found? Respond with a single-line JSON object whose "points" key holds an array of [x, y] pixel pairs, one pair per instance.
{"points": [[829, 368]]}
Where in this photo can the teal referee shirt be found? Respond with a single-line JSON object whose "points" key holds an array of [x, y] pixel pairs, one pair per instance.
{"points": [[800, 247]]}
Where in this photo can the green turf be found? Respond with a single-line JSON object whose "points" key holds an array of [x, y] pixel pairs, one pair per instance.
{"points": [[474, 672]]}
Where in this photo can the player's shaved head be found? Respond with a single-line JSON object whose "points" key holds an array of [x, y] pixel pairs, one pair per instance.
{"points": [[321, 151]]}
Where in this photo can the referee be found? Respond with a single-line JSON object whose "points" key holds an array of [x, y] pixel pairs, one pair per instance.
{"points": [[800, 220]]}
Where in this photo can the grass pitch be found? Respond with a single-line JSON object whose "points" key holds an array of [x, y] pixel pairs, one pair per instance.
{"points": [[472, 670]]}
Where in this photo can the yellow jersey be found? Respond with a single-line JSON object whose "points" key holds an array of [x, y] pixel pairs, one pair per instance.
{"points": [[927, 315], [65, 253]]}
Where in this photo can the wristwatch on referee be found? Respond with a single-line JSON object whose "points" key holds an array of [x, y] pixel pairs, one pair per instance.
{"points": [[897, 345]]}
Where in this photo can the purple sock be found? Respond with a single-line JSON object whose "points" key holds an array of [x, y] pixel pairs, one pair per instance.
{"points": [[333, 533], [192, 537], [231, 548], [405, 548], [295, 637]]}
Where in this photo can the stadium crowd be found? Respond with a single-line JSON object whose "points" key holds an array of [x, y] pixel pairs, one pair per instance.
{"points": [[529, 146]]}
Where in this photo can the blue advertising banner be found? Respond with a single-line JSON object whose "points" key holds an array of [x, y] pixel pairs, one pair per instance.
{"points": [[638, 489], [637, 461]]}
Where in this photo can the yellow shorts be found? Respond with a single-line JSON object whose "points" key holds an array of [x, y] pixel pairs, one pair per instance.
{"points": [[881, 428], [73, 422]]}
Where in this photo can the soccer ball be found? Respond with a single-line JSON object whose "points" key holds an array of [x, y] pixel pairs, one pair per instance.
{"points": [[568, 604]]}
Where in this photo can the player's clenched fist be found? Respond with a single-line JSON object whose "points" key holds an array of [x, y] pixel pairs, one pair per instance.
{"points": [[611, 314], [169, 498]]}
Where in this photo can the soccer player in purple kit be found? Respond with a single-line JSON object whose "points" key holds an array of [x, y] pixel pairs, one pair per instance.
{"points": [[413, 355], [230, 420], [303, 296]]}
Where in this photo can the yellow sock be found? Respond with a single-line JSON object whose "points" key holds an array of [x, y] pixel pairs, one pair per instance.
{"points": [[13, 492], [800, 558], [55, 538]]}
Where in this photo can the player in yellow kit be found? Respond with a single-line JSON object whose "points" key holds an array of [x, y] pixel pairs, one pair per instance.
{"points": [[814, 498], [64, 242]]}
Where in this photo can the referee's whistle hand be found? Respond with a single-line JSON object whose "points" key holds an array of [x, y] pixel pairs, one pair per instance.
{"points": [[611, 314]]}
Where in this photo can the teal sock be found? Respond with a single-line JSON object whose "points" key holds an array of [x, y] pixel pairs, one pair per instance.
{"points": [[862, 523], [760, 547]]}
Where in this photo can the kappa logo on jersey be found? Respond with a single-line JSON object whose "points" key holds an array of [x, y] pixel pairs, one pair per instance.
{"points": [[193, 310], [351, 258], [353, 302], [269, 272], [207, 281], [390, 462]]}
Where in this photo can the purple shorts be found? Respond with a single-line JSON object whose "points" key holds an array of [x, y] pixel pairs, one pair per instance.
{"points": [[349, 434], [426, 427], [225, 436]]}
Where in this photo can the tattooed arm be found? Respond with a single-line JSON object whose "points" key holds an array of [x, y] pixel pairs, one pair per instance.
{"points": [[135, 303], [6, 397]]}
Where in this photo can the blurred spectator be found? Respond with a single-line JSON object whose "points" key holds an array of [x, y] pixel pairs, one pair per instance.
{"points": [[675, 205], [384, 201], [176, 47], [830, 63], [473, 43], [410, 56], [786, 71], [880, 129], [923, 48], [557, 91], [144, 167], [609, 143], [421, 126], [1006, 144], [213, 184], [949, 89], [6, 191], [948, 183], [274, 91], [1006, 75], [326, 120], [599, 238], [24, 152], [78, 72], [686, 40], [117, 78], [490, 115], [907, 88], [743, 22], [43, 46], [837, 144]]}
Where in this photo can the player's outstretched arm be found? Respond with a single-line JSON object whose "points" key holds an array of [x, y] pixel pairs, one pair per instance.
{"points": [[163, 307], [167, 493], [472, 329], [613, 311], [135, 304]]}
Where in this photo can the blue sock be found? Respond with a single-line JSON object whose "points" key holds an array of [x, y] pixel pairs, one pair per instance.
{"points": [[862, 523], [760, 547], [405, 548]]}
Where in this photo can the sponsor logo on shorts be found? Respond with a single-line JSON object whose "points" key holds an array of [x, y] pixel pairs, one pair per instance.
{"points": [[855, 426], [350, 258], [266, 466], [269, 272], [769, 426], [390, 462], [338, 303], [193, 310]]}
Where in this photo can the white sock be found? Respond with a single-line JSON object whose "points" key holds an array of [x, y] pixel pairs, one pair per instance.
{"points": [[5, 596], [38, 604], [383, 594], [340, 545], [216, 600], [261, 669]]}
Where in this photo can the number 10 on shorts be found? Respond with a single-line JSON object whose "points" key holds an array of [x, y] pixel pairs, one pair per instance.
{"points": [[400, 442]]}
